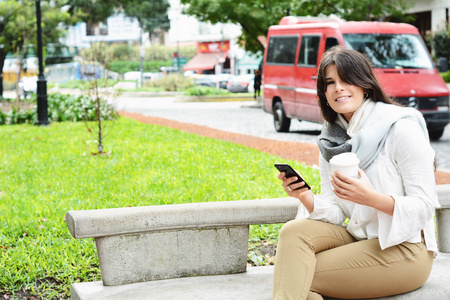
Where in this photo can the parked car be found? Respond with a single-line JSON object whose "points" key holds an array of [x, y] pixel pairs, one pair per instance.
{"points": [[27, 86], [218, 81], [241, 84], [223, 79], [206, 80]]}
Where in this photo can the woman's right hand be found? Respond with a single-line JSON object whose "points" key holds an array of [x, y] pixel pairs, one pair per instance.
{"points": [[292, 189], [297, 190]]}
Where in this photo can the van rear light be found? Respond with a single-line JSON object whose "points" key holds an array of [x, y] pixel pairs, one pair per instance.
{"points": [[244, 83]]}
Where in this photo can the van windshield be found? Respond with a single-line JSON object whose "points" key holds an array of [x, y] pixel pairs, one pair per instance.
{"points": [[389, 51]]}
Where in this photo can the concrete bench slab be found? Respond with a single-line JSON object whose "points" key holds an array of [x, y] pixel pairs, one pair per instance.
{"points": [[136, 244], [255, 284]]}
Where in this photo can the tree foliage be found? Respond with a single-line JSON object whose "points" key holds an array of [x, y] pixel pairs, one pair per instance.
{"points": [[151, 14], [94, 11], [18, 19], [18, 28], [255, 17], [18, 24]]}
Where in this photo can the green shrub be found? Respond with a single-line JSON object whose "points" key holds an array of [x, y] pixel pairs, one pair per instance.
{"points": [[77, 108], [446, 76], [154, 52], [18, 116], [123, 66], [204, 90], [61, 108], [124, 52], [83, 84], [173, 82], [159, 52], [440, 42]]}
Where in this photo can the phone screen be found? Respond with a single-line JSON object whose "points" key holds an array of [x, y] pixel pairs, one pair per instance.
{"points": [[290, 172]]}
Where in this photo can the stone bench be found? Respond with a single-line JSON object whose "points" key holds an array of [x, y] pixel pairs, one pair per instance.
{"points": [[173, 251]]}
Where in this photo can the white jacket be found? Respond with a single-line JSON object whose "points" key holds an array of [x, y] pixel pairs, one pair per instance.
{"points": [[403, 169]]}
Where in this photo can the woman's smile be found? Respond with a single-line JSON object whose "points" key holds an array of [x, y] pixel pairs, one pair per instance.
{"points": [[342, 98]]}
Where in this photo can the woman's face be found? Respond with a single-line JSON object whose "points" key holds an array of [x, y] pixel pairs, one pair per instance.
{"points": [[342, 97]]}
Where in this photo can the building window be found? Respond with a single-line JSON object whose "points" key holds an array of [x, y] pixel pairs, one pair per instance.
{"points": [[96, 29]]}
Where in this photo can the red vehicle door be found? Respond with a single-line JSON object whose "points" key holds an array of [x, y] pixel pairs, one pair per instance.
{"points": [[306, 75], [311, 51]]}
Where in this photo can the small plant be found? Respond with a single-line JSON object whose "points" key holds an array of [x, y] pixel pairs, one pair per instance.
{"points": [[99, 91], [123, 66], [18, 115], [173, 82], [61, 108], [261, 253], [446, 76], [204, 90]]}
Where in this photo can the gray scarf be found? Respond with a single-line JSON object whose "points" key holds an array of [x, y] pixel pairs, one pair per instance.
{"points": [[370, 139]]}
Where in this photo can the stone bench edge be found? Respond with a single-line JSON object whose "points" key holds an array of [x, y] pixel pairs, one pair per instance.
{"points": [[128, 220]]}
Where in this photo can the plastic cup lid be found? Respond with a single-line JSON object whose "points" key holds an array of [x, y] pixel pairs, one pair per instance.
{"points": [[345, 159]]}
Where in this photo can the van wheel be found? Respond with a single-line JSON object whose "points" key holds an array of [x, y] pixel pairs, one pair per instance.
{"points": [[280, 120], [436, 134]]}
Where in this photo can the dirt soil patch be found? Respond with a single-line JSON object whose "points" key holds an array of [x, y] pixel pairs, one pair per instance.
{"points": [[7, 105], [302, 152]]}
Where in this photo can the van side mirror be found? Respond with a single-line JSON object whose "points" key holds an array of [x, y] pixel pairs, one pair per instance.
{"points": [[443, 64]]}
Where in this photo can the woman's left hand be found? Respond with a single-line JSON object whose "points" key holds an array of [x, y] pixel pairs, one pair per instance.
{"points": [[358, 190]]}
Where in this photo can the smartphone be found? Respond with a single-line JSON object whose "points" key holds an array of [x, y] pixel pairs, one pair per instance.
{"points": [[290, 172]]}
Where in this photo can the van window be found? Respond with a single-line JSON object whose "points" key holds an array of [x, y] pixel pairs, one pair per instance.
{"points": [[309, 50], [330, 43], [282, 50], [388, 51]]}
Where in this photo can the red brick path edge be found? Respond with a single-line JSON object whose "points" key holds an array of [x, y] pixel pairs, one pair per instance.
{"points": [[302, 152]]}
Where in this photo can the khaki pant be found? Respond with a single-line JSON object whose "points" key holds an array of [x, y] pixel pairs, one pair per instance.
{"points": [[316, 258]]}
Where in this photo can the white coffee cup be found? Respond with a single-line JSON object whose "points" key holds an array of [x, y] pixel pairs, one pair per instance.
{"points": [[346, 163]]}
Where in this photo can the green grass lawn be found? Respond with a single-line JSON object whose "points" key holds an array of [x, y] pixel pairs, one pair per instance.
{"points": [[47, 171]]}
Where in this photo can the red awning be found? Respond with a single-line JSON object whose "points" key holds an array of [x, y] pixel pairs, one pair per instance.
{"points": [[203, 61]]}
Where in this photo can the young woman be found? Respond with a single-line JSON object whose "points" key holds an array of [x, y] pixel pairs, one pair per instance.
{"points": [[387, 244]]}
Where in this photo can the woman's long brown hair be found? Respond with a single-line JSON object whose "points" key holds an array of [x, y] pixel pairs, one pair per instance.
{"points": [[353, 68]]}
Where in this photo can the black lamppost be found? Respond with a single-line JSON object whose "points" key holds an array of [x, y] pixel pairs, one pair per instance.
{"points": [[42, 106]]}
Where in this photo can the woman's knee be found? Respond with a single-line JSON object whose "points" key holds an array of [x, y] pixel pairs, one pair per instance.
{"points": [[300, 229], [293, 227]]}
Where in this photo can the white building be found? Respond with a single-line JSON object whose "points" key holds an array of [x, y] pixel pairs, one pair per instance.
{"points": [[431, 15], [118, 28], [187, 29]]}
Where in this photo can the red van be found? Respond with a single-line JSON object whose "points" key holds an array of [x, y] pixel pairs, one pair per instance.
{"points": [[403, 66]]}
